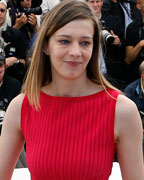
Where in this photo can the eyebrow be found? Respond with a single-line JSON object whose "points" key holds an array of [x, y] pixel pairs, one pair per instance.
{"points": [[68, 36]]}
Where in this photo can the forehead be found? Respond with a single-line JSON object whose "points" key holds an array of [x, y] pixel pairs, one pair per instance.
{"points": [[27, 1], [77, 27], [2, 6]]}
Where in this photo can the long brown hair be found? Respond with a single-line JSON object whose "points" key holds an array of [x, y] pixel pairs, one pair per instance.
{"points": [[39, 72]]}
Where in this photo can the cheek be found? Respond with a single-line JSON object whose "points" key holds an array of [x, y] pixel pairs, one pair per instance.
{"points": [[1, 75], [88, 55], [57, 53]]}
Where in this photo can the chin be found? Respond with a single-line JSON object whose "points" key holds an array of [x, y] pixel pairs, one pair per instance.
{"points": [[72, 76]]}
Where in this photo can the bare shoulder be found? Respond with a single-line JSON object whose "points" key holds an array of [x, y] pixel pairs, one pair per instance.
{"points": [[13, 113], [17, 101], [128, 137], [127, 117], [125, 105]]}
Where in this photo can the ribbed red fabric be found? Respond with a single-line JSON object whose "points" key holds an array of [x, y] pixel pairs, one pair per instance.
{"points": [[70, 138]]}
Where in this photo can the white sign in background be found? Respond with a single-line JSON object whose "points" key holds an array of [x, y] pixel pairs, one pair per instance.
{"points": [[23, 173]]}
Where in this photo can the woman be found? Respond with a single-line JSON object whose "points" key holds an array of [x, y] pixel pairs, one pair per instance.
{"points": [[71, 119]]}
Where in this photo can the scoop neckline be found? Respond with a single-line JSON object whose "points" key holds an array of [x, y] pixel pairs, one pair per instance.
{"points": [[75, 98]]}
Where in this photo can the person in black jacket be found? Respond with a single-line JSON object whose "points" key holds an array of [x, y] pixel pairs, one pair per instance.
{"points": [[126, 10], [135, 45], [114, 54], [25, 19], [12, 46]]}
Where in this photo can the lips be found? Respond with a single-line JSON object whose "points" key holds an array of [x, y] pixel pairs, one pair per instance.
{"points": [[73, 63]]}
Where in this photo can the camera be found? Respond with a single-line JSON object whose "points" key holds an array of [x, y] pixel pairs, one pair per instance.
{"points": [[27, 11], [106, 34], [36, 11]]}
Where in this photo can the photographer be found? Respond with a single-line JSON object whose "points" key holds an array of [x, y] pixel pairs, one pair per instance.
{"points": [[126, 10], [24, 18], [12, 46], [114, 52], [135, 45], [135, 91]]}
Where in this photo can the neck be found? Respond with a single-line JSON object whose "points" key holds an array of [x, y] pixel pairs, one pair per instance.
{"points": [[70, 88], [98, 14]]}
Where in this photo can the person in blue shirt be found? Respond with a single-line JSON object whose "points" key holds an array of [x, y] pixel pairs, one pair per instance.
{"points": [[135, 91]]}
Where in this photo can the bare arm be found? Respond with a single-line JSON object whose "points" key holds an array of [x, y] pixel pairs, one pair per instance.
{"points": [[133, 51], [128, 133], [11, 140]]}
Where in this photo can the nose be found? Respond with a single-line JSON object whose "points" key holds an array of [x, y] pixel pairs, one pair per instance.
{"points": [[95, 3], [75, 50], [29, 4]]}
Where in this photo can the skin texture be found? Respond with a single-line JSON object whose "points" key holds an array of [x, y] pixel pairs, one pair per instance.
{"points": [[26, 3], [96, 5], [71, 52]]}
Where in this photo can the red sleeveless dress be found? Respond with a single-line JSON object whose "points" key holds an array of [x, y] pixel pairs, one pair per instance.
{"points": [[70, 138]]}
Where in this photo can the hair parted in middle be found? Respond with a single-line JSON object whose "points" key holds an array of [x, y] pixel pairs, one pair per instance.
{"points": [[39, 72]]}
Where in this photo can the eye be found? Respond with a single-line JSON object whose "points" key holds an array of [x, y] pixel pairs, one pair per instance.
{"points": [[85, 43], [64, 42]]}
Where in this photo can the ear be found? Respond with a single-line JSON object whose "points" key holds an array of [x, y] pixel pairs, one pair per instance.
{"points": [[46, 48]]}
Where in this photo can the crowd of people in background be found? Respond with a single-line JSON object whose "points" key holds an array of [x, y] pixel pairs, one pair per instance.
{"points": [[122, 44]]}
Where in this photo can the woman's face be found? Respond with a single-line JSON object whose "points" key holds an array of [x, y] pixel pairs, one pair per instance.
{"points": [[70, 49]]}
